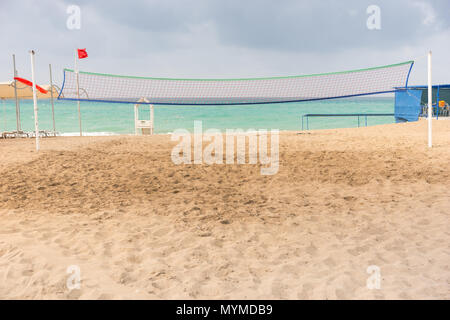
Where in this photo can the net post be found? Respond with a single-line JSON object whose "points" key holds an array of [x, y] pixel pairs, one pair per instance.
{"points": [[430, 102], [152, 119]]}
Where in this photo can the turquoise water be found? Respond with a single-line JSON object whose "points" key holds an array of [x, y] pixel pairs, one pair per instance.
{"points": [[107, 118]]}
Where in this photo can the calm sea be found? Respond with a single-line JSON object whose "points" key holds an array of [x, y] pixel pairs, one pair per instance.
{"points": [[117, 118]]}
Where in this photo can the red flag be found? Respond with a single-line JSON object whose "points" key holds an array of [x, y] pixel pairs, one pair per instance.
{"points": [[29, 83], [82, 53]]}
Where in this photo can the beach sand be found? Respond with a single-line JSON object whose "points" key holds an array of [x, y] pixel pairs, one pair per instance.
{"points": [[139, 226]]}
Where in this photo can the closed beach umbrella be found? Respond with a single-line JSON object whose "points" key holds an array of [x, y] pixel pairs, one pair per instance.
{"points": [[24, 91]]}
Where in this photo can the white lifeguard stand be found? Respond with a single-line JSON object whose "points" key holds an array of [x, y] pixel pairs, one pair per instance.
{"points": [[143, 127]]}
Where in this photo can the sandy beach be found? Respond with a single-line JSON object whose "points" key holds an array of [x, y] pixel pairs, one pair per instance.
{"points": [[140, 227]]}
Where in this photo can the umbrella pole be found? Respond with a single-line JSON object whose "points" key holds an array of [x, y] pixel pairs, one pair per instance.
{"points": [[4, 115], [51, 97], [18, 126]]}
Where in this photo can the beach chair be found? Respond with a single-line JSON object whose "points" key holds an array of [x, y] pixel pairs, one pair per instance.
{"points": [[444, 108], [424, 111], [446, 111]]}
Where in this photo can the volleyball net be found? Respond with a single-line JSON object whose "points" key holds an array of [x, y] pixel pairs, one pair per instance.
{"points": [[170, 91]]}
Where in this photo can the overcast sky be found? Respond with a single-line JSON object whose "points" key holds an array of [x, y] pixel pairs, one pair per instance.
{"points": [[228, 38]]}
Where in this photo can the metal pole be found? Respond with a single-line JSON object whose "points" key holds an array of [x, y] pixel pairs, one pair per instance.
{"points": [[430, 102], [33, 80], [78, 93], [4, 114], [51, 95], [152, 119], [18, 126], [136, 118], [437, 102]]}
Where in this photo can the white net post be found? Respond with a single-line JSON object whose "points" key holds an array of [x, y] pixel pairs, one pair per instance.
{"points": [[430, 102]]}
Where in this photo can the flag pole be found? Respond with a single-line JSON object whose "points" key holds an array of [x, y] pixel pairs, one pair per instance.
{"points": [[51, 96], [430, 102], [78, 92], [33, 80]]}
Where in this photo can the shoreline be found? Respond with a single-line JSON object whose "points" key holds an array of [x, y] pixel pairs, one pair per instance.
{"points": [[284, 131]]}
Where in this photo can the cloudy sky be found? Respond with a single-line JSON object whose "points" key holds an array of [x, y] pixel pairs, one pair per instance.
{"points": [[228, 38]]}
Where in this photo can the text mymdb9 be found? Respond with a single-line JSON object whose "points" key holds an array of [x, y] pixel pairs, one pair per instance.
{"points": [[246, 309], [229, 309]]}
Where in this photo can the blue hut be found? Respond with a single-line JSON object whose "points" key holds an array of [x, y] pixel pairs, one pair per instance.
{"points": [[411, 102]]}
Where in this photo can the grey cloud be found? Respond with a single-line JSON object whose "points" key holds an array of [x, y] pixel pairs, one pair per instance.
{"points": [[280, 25], [301, 25], [203, 37]]}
